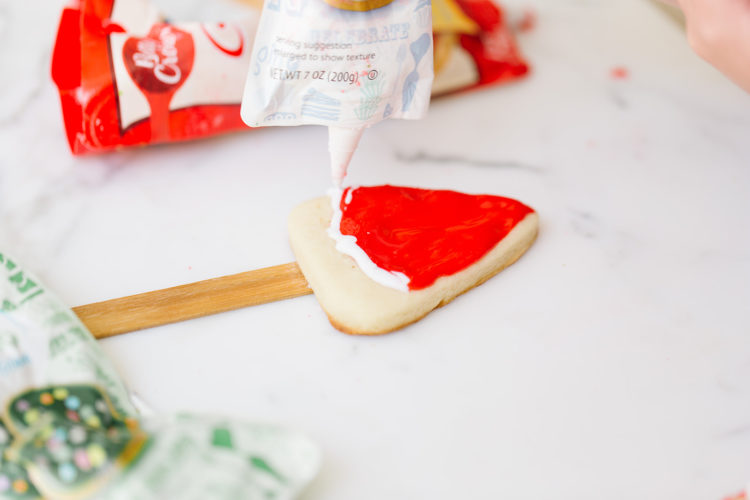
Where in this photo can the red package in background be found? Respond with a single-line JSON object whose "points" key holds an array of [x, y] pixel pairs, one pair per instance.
{"points": [[474, 46], [127, 78]]}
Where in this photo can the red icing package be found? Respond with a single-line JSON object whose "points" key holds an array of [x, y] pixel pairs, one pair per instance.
{"points": [[473, 46], [127, 78]]}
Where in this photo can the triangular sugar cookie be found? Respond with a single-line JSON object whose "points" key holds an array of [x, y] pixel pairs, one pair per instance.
{"points": [[434, 245]]}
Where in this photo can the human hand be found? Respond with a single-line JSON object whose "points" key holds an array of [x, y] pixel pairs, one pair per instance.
{"points": [[719, 32]]}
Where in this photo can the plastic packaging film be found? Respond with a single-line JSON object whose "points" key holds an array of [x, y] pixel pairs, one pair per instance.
{"points": [[68, 428]]}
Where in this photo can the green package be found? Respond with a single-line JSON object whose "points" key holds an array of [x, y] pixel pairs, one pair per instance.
{"points": [[69, 430]]}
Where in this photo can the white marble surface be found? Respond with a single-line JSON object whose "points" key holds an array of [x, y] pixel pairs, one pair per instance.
{"points": [[613, 361]]}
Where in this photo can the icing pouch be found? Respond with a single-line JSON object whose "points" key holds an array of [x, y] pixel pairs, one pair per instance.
{"points": [[343, 63]]}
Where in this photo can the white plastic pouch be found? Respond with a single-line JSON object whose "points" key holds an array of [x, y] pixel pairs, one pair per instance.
{"points": [[340, 62], [345, 64]]}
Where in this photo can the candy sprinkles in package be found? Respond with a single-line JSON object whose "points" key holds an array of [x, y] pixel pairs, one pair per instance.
{"points": [[345, 64], [68, 429], [128, 78]]}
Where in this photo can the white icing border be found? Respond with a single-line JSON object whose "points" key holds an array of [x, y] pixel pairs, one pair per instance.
{"points": [[347, 245]]}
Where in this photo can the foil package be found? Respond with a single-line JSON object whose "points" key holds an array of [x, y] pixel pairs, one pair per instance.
{"points": [[128, 78]]}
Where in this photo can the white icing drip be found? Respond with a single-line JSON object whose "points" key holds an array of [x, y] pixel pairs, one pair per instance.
{"points": [[342, 143], [347, 244]]}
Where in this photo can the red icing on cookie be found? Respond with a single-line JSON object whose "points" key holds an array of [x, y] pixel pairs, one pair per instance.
{"points": [[426, 234]]}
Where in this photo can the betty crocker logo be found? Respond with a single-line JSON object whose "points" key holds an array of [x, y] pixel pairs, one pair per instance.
{"points": [[159, 64], [161, 61]]}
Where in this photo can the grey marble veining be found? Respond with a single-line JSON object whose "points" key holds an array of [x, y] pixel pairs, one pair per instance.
{"points": [[611, 360]]}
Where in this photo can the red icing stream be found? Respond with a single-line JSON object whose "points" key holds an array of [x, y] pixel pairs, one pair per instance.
{"points": [[426, 234]]}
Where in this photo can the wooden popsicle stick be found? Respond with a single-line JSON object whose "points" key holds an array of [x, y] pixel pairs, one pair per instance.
{"points": [[195, 300]]}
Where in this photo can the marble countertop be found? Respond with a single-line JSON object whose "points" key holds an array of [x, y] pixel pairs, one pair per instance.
{"points": [[613, 360]]}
